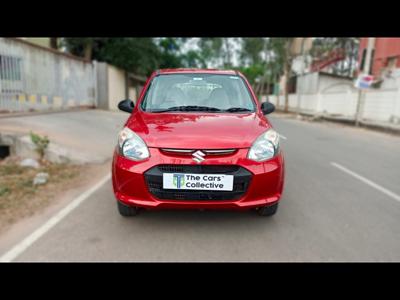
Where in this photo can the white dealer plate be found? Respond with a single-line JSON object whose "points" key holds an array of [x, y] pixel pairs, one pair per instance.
{"points": [[208, 182]]}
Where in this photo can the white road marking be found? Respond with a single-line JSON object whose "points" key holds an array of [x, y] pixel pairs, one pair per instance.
{"points": [[367, 181], [282, 136], [34, 236]]}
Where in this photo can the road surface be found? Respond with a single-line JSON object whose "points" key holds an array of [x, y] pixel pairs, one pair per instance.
{"points": [[341, 203], [87, 135]]}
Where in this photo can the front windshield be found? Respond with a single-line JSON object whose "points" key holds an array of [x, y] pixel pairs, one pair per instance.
{"points": [[197, 92]]}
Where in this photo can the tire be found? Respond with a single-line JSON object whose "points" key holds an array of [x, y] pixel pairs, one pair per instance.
{"points": [[267, 211], [127, 211]]}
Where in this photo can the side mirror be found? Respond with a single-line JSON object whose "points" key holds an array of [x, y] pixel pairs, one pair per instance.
{"points": [[126, 105], [267, 108]]}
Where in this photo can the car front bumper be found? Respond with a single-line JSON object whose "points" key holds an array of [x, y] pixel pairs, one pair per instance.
{"points": [[130, 186]]}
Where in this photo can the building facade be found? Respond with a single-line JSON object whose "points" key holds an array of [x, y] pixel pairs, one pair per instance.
{"points": [[37, 78], [385, 56]]}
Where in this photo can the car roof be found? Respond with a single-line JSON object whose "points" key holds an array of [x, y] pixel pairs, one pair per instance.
{"points": [[189, 70]]}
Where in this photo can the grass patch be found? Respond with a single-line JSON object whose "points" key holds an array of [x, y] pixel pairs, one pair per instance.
{"points": [[20, 198]]}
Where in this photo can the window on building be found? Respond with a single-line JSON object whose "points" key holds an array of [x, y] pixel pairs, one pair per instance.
{"points": [[391, 62], [10, 68], [372, 60], [364, 53]]}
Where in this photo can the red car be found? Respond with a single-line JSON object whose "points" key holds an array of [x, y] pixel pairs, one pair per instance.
{"points": [[197, 139]]}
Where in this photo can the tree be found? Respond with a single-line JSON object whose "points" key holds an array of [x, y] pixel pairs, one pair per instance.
{"points": [[251, 50], [265, 60], [138, 55], [252, 72], [210, 51], [81, 46], [252, 64], [192, 59], [227, 53], [170, 56], [282, 53]]}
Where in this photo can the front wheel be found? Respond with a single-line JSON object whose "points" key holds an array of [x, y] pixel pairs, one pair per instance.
{"points": [[127, 211], [268, 211]]}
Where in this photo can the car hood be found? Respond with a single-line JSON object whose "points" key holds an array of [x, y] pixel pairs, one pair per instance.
{"points": [[198, 130]]}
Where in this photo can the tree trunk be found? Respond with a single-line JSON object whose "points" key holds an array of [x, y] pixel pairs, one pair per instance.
{"points": [[286, 73], [262, 83], [88, 51], [53, 43], [278, 99], [268, 86], [256, 88], [227, 62]]}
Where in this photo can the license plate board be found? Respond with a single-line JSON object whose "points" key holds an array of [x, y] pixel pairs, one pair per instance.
{"points": [[206, 182]]}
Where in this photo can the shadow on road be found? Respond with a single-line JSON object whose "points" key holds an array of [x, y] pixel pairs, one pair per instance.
{"points": [[212, 219]]}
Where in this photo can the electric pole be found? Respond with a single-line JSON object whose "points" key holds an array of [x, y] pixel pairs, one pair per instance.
{"points": [[365, 71], [298, 76]]}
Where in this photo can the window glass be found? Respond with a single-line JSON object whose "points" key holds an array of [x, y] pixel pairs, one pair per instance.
{"points": [[217, 91]]}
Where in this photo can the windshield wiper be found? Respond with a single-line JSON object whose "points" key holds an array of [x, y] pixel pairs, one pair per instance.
{"points": [[237, 109], [186, 108]]}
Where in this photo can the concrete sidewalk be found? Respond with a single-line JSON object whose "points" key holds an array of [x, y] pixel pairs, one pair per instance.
{"points": [[86, 136], [375, 125]]}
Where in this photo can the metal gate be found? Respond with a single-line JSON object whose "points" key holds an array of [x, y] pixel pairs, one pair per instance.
{"points": [[34, 78]]}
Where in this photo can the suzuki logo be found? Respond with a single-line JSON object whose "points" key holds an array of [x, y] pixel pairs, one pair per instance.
{"points": [[198, 156]]}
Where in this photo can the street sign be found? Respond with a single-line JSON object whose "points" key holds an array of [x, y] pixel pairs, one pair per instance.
{"points": [[364, 81]]}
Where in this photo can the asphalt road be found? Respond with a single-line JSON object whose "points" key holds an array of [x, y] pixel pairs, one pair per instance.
{"points": [[341, 203]]}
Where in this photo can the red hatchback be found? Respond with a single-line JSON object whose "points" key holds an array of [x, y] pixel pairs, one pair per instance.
{"points": [[197, 139]]}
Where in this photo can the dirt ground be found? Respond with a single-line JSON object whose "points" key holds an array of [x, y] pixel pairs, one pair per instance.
{"points": [[20, 199]]}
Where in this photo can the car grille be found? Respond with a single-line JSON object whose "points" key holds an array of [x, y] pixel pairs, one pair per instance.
{"points": [[154, 178]]}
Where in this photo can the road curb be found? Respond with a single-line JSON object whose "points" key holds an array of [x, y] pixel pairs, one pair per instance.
{"points": [[386, 128], [35, 113]]}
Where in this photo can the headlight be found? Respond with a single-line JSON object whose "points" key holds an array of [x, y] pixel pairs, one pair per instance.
{"points": [[131, 145], [265, 146]]}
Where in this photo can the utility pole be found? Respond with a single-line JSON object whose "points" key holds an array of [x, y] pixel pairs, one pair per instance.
{"points": [[298, 76], [370, 47], [365, 71]]}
